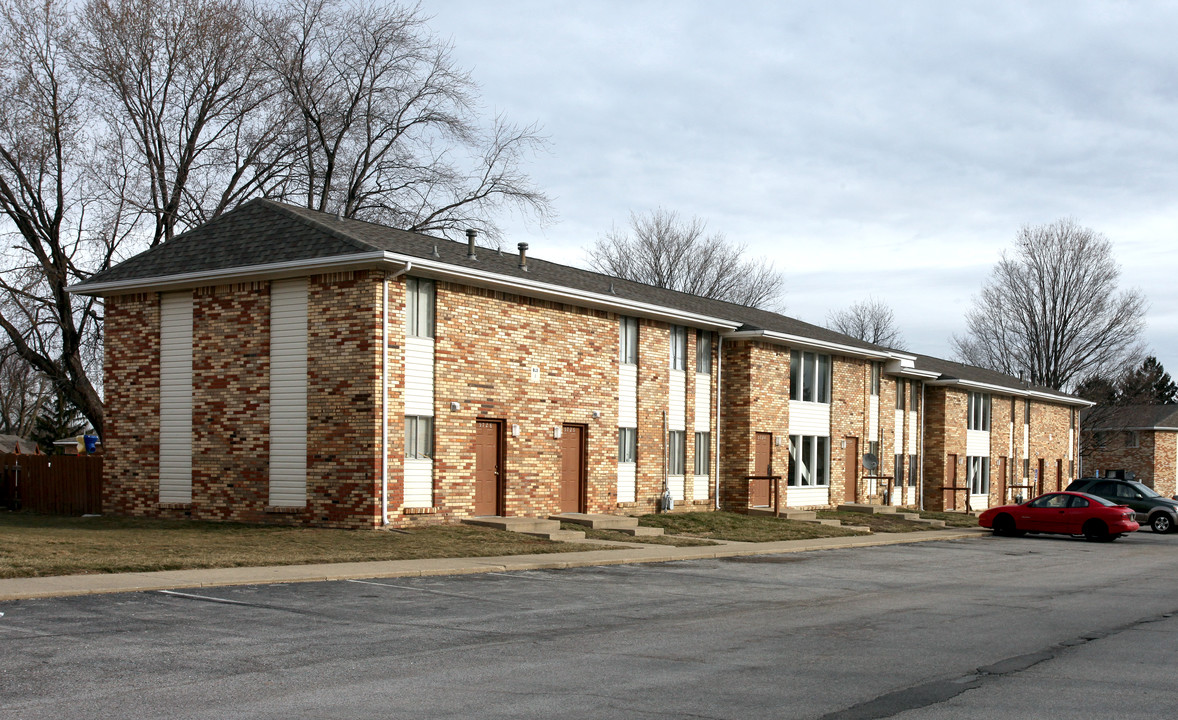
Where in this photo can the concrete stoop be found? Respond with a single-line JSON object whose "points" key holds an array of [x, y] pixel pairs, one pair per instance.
{"points": [[538, 527], [619, 523], [806, 516]]}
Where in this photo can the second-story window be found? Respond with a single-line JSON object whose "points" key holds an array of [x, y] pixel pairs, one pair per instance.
{"points": [[419, 307], [809, 376], [914, 399], [979, 411], [703, 352], [875, 372], [899, 393], [628, 329], [678, 347]]}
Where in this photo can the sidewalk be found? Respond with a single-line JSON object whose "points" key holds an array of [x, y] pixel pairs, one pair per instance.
{"points": [[626, 553]]}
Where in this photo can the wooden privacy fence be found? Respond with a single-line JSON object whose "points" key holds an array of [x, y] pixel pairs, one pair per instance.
{"points": [[56, 484]]}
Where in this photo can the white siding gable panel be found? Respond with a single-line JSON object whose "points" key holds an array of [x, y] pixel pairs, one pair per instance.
{"points": [[419, 482], [627, 482], [628, 398], [175, 456], [809, 418], [419, 376], [288, 393], [703, 403], [977, 443], [677, 404]]}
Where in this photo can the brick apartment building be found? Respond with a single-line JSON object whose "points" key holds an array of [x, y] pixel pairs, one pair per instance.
{"points": [[1141, 439], [284, 365]]}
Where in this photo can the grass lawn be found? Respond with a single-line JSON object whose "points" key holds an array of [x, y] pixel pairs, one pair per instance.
{"points": [[675, 540], [952, 519], [40, 545], [738, 527], [877, 523]]}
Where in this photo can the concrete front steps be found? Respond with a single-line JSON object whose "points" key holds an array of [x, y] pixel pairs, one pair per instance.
{"points": [[620, 523], [808, 516], [539, 527], [890, 510]]}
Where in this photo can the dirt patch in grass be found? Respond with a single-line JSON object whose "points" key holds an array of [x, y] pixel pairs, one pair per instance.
{"points": [[952, 519], [741, 528], [673, 540], [40, 545], [883, 523]]}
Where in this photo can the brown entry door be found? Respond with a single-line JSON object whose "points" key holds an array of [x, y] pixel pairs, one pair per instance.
{"points": [[572, 468], [488, 461], [759, 488], [851, 471], [951, 482]]}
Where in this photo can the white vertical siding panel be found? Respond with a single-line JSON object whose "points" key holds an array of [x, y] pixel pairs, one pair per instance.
{"points": [[288, 393], [806, 496], [898, 430], [628, 397], [419, 482], [627, 482], [873, 418], [419, 376], [699, 488], [809, 418], [677, 402], [703, 403], [912, 430], [1026, 441], [175, 455], [675, 485]]}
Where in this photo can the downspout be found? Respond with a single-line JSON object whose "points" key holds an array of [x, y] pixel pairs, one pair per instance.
{"points": [[384, 393], [920, 444], [719, 391]]}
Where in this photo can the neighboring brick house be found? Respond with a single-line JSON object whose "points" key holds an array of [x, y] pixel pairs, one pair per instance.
{"points": [[284, 365], [1141, 439]]}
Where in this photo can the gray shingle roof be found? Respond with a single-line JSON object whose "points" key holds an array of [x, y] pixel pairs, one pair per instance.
{"points": [[1131, 416], [262, 232]]}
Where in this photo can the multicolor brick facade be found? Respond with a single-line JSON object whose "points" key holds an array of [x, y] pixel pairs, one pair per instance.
{"points": [[1142, 440], [533, 352]]}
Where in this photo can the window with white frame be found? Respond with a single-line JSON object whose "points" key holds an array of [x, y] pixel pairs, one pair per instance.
{"points": [[627, 445], [978, 472], [678, 347], [419, 307], [419, 437], [628, 330], [703, 352], [899, 393], [912, 470], [809, 461], [809, 376], [875, 373], [676, 452], [703, 452], [979, 411]]}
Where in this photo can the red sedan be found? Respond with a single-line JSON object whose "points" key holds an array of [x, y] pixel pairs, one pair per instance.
{"points": [[1068, 513]]}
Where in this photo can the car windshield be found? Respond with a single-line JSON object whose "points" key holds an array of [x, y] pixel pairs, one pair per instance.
{"points": [[1144, 489]]}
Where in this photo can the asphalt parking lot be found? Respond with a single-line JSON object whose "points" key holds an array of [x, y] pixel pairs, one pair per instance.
{"points": [[1022, 627]]}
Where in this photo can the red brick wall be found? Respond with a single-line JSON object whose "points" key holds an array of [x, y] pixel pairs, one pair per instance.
{"points": [[132, 384], [1151, 462], [755, 399], [849, 407]]}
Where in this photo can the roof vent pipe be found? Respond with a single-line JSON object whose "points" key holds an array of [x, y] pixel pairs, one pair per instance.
{"points": [[523, 256], [471, 234]]}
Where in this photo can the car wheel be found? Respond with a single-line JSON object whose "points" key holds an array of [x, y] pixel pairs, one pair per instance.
{"points": [[1096, 531], [1162, 523], [1004, 525]]}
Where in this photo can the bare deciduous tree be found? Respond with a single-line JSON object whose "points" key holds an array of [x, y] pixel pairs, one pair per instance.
{"points": [[385, 123], [1051, 311], [23, 392], [871, 320], [664, 250]]}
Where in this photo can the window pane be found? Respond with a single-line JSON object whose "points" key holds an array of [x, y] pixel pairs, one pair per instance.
{"points": [[821, 461], [678, 347], [875, 379], [912, 471], [703, 352], [914, 401], [822, 390], [629, 341], [795, 369], [809, 376], [899, 394], [677, 452], [807, 469], [703, 452], [794, 463]]}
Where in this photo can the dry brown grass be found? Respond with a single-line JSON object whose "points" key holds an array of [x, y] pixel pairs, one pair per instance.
{"points": [[41, 545], [738, 527]]}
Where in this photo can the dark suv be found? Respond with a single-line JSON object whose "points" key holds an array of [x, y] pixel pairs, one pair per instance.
{"points": [[1160, 513]]}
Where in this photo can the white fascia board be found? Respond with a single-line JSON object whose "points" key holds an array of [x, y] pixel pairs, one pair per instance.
{"points": [[269, 271], [806, 343], [422, 267], [560, 293], [1017, 392]]}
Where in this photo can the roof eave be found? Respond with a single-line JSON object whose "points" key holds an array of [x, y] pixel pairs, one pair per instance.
{"points": [[798, 341], [1008, 390]]}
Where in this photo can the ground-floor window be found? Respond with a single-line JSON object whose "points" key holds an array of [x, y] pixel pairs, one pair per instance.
{"points": [[627, 445], [676, 452], [809, 460], [419, 436], [978, 469], [703, 452], [912, 470]]}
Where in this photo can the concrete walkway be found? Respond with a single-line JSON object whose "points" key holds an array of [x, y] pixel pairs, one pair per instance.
{"points": [[621, 553]]}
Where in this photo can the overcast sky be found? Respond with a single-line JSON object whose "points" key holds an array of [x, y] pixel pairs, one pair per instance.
{"points": [[886, 149]]}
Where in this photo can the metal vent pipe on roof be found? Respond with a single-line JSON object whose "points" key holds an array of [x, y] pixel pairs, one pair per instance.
{"points": [[523, 256], [471, 234]]}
